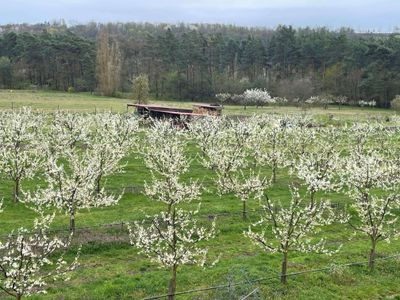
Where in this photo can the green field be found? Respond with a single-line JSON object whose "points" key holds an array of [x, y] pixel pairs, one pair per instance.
{"points": [[52, 100], [112, 269]]}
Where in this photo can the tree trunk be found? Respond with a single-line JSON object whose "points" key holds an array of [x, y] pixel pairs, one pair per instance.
{"points": [[172, 283], [72, 222], [284, 268], [372, 253], [16, 190], [18, 297], [244, 212], [274, 173], [98, 184]]}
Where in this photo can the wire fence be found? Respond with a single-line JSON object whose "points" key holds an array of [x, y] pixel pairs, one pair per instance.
{"points": [[266, 279], [120, 234], [210, 216], [250, 294]]}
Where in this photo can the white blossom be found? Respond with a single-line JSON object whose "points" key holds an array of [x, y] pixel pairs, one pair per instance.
{"points": [[27, 261], [71, 185], [20, 157], [171, 237], [66, 131], [206, 130], [372, 178], [269, 143], [80, 150], [223, 97], [293, 227], [323, 100], [227, 150], [114, 135], [319, 166], [363, 103], [257, 97]]}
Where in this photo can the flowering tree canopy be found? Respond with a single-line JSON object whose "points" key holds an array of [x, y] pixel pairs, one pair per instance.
{"points": [[292, 227], [114, 135], [373, 178], [20, 157], [74, 165], [28, 262], [171, 237], [258, 97]]}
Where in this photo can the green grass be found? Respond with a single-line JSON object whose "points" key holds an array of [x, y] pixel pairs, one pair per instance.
{"points": [[112, 269], [53, 100]]}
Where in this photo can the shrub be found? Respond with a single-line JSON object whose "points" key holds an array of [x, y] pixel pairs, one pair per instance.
{"points": [[141, 89], [395, 103], [223, 97]]}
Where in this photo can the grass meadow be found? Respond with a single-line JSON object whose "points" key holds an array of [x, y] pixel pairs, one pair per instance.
{"points": [[112, 269]]}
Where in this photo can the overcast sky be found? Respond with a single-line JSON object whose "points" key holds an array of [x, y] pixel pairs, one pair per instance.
{"points": [[374, 15]]}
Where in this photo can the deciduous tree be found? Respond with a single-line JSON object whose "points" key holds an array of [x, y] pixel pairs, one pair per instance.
{"points": [[20, 157], [372, 178], [108, 63], [171, 237], [29, 260]]}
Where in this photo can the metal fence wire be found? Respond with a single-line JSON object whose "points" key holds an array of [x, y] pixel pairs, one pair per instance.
{"points": [[266, 279]]}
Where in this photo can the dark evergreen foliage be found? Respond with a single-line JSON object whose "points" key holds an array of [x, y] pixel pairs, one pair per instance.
{"points": [[197, 61]]}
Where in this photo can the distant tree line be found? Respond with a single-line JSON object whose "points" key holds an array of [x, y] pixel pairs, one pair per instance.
{"points": [[199, 61], [56, 60]]}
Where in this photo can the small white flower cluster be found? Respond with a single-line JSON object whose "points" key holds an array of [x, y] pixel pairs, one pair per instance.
{"points": [[341, 100], [171, 237], [269, 143], [19, 146], [372, 178], [257, 97], [225, 146], [90, 148], [223, 97], [27, 260], [363, 103], [320, 157], [74, 152], [318, 166], [313, 100], [77, 151], [292, 226], [322, 100]]}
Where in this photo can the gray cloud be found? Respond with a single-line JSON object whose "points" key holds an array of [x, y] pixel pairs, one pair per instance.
{"points": [[359, 14]]}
